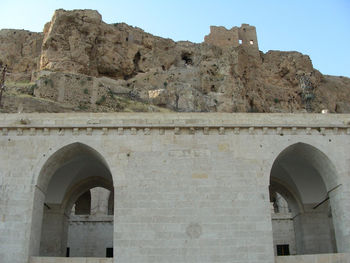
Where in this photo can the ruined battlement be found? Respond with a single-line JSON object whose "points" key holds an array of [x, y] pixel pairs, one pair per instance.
{"points": [[244, 35]]}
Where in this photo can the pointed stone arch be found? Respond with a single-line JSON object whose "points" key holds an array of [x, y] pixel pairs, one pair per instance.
{"points": [[63, 155], [67, 174], [315, 158], [304, 176]]}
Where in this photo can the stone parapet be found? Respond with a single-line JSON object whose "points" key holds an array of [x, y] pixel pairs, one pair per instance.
{"points": [[179, 123]]}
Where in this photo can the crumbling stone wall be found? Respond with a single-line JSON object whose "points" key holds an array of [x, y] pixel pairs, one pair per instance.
{"points": [[222, 37], [244, 35]]}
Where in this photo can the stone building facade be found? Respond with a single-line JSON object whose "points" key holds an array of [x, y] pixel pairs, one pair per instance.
{"points": [[184, 187]]}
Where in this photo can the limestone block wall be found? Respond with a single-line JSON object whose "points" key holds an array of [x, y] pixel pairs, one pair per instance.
{"points": [[283, 232], [90, 238], [187, 187], [308, 223], [99, 201], [90, 234], [53, 234]]}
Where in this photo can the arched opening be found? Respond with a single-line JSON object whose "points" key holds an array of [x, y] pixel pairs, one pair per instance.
{"points": [[74, 184], [284, 207], [300, 182], [83, 205], [90, 232]]}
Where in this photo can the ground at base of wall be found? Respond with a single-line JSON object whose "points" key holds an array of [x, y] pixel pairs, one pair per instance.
{"points": [[317, 258], [69, 260]]}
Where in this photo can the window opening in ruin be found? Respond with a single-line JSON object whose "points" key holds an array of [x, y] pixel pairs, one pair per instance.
{"points": [[283, 250], [67, 252], [109, 252], [240, 41], [251, 42]]}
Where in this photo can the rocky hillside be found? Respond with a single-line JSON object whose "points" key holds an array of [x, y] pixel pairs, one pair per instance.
{"points": [[80, 63]]}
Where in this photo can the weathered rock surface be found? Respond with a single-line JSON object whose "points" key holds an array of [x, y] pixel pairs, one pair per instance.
{"points": [[20, 50], [94, 66], [79, 42]]}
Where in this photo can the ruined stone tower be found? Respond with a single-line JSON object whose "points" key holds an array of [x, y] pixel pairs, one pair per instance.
{"points": [[244, 35]]}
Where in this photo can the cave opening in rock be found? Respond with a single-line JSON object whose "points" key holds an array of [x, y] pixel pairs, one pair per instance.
{"points": [[187, 57]]}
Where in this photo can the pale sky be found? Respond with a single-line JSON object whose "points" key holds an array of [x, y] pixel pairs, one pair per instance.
{"points": [[320, 29]]}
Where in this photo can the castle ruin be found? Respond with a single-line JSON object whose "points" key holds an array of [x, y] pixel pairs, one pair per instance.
{"points": [[244, 36]]}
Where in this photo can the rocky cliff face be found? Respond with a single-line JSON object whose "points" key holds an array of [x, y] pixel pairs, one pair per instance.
{"points": [[20, 50], [88, 65]]}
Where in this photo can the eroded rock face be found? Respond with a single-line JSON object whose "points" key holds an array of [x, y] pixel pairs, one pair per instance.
{"points": [[84, 60], [20, 51], [79, 42]]}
